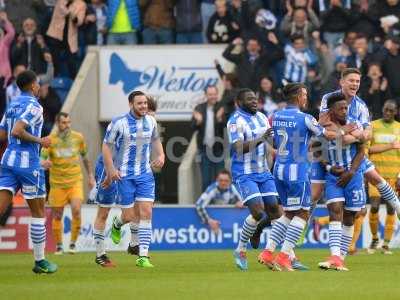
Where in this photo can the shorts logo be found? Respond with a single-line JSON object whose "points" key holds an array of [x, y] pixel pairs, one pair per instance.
{"points": [[35, 173], [29, 189], [293, 201]]}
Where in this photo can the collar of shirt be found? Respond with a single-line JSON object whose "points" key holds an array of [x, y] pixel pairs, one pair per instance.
{"points": [[292, 106], [245, 113]]}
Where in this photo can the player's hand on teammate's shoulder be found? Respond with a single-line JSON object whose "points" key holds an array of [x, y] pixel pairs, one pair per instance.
{"points": [[214, 225], [345, 178], [46, 164], [45, 142]]}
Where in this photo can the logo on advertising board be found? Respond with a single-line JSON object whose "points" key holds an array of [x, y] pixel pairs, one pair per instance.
{"points": [[176, 81]]}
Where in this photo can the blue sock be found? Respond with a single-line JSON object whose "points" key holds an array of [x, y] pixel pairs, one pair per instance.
{"points": [[144, 237]]}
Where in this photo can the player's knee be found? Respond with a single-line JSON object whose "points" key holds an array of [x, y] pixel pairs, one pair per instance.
{"points": [[374, 178], [335, 213]]}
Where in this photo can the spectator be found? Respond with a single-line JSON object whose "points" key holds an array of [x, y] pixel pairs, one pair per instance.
{"points": [[345, 48], [299, 59], [220, 192], [222, 27], [123, 22], [374, 90], [235, 9], [360, 57], [251, 62], [13, 90], [207, 9], [210, 128], [391, 64], [63, 36], [332, 82], [336, 20], [30, 48], [44, 11], [268, 96], [259, 24], [51, 104], [7, 34], [94, 29], [362, 20], [159, 21], [49, 75], [299, 21], [188, 22], [227, 103], [387, 14]]}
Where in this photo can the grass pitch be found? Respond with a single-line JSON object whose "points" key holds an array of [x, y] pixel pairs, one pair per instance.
{"points": [[198, 275]]}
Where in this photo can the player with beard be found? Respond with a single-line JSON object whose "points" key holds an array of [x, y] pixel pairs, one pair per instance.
{"points": [[129, 140]]}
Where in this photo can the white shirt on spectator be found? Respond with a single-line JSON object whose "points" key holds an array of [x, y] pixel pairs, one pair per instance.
{"points": [[210, 132]]}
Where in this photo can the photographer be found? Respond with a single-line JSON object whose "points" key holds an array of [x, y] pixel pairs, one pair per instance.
{"points": [[30, 48]]}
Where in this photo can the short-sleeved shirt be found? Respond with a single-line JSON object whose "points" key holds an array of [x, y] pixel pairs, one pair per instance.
{"points": [[65, 153], [387, 163], [243, 126], [293, 130], [342, 155], [357, 109], [19, 153], [131, 139], [213, 195]]}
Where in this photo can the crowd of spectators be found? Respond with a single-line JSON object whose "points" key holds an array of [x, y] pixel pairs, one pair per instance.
{"points": [[270, 42]]}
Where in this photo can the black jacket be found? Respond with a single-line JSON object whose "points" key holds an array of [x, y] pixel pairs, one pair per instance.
{"points": [[249, 74], [19, 56], [218, 128]]}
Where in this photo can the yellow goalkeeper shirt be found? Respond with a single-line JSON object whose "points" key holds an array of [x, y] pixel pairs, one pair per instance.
{"points": [[65, 153], [387, 163]]}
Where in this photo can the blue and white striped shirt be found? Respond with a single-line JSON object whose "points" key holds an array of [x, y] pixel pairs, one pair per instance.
{"points": [[342, 155], [297, 63], [132, 140], [357, 109], [292, 132], [215, 196], [22, 154], [245, 127]]}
